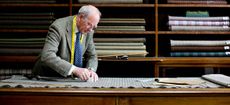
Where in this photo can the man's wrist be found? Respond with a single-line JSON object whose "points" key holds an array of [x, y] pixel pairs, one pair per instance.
{"points": [[72, 70]]}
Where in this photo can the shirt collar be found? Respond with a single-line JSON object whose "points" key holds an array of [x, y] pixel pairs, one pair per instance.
{"points": [[76, 30]]}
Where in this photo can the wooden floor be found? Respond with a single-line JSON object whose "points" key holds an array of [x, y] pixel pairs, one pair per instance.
{"points": [[114, 96]]}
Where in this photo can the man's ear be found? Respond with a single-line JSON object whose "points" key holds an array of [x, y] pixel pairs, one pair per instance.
{"points": [[82, 16]]}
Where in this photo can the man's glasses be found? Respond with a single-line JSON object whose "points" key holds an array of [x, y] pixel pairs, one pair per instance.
{"points": [[88, 23]]}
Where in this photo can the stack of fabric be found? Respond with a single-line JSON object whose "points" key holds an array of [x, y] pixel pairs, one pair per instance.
{"points": [[110, 1], [21, 46], [7, 70], [107, 47], [197, 1], [26, 20], [198, 21], [121, 24], [28, 1], [200, 48]]}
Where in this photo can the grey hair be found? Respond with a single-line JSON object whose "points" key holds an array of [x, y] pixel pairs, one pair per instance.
{"points": [[87, 9]]}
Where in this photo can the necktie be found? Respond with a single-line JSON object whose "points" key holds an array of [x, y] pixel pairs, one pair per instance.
{"points": [[78, 51]]}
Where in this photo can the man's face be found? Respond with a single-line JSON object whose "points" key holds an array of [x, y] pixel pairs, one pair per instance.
{"points": [[89, 23]]}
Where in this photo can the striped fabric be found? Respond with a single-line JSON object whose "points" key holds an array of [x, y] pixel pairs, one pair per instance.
{"points": [[181, 23], [199, 28], [218, 18], [198, 23], [199, 42], [110, 1], [197, 1], [109, 47]]}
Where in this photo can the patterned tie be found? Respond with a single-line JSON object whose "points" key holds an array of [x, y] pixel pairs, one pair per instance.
{"points": [[78, 51]]}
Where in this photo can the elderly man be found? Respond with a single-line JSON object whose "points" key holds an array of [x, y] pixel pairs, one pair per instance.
{"points": [[69, 49]]}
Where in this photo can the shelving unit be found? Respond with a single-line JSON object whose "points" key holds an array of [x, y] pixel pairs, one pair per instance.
{"points": [[157, 34]]}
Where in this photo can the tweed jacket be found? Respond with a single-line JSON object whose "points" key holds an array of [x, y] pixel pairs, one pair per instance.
{"points": [[54, 59]]}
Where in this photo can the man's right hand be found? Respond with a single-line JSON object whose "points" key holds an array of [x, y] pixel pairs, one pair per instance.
{"points": [[82, 73]]}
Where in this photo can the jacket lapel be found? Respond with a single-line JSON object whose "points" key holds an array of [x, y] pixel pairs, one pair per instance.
{"points": [[69, 33]]}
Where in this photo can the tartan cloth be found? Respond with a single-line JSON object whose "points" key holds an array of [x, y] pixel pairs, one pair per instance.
{"points": [[197, 1], [217, 18], [197, 23], [199, 42], [199, 28]]}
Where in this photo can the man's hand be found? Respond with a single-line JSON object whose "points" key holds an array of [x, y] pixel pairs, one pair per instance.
{"points": [[82, 73], [85, 74], [93, 76]]}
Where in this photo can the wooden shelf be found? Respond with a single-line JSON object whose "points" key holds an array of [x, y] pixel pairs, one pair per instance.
{"points": [[14, 59], [195, 32], [24, 30], [126, 32], [119, 5], [143, 59], [34, 5], [191, 62], [195, 60], [33, 58], [193, 5], [164, 35]]}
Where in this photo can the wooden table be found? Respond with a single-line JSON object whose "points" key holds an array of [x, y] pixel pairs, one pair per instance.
{"points": [[114, 96]]}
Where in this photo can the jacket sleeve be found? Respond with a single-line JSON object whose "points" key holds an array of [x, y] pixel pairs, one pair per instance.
{"points": [[50, 54]]}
